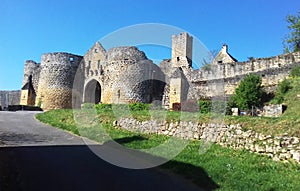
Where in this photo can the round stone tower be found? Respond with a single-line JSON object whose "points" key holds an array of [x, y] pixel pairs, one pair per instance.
{"points": [[56, 80], [130, 77]]}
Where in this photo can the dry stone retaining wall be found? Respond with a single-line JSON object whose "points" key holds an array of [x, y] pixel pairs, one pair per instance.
{"points": [[233, 136]]}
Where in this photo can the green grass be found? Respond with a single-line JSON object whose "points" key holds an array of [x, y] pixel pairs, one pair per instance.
{"points": [[222, 168]]}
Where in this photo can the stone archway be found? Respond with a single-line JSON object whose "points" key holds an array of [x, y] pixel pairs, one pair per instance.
{"points": [[92, 92]]}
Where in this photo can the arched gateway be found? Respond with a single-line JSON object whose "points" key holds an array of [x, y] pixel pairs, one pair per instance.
{"points": [[92, 92]]}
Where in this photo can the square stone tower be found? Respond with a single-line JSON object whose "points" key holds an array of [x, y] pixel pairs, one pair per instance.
{"points": [[182, 48]]}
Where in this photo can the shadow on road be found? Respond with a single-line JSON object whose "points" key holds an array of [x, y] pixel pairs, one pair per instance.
{"points": [[19, 138], [130, 139], [77, 168]]}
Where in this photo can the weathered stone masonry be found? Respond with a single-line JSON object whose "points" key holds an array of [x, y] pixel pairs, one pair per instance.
{"points": [[272, 70], [56, 80], [9, 98], [125, 75], [233, 136], [120, 75]]}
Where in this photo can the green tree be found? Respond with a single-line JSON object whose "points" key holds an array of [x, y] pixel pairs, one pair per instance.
{"points": [[249, 93], [292, 40]]}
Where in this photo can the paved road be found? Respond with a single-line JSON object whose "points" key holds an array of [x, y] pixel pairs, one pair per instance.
{"points": [[22, 129], [35, 156]]}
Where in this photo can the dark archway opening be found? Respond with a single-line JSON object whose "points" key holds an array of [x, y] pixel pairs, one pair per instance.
{"points": [[92, 93], [150, 90], [156, 90]]}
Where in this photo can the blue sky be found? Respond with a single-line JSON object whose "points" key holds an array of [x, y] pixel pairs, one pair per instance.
{"points": [[29, 28]]}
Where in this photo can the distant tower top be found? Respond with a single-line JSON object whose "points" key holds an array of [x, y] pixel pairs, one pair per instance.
{"points": [[182, 48]]}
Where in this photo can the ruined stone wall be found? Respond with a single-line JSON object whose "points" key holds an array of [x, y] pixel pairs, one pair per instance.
{"points": [[273, 110], [273, 70], [176, 91], [233, 136], [9, 98], [260, 65], [56, 80], [31, 68], [179, 87]]}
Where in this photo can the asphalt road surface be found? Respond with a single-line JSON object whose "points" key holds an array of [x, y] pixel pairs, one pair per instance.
{"points": [[34, 156]]}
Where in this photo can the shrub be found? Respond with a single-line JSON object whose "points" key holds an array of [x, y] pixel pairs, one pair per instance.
{"points": [[103, 107], [205, 106], [295, 72], [138, 106], [278, 99], [283, 88], [230, 104], [216, 106], [108, 107]]}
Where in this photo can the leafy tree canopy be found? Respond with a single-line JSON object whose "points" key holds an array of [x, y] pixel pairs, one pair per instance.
{"points": [[292, 40], [249, 93]]}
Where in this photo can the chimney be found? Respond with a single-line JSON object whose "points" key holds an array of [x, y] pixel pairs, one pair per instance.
{"points": [[224, 48]]}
